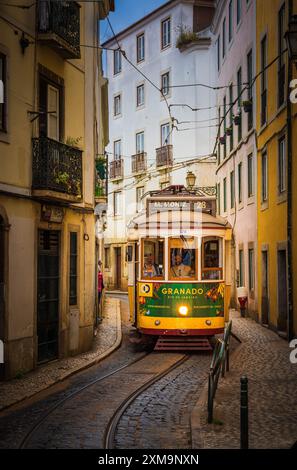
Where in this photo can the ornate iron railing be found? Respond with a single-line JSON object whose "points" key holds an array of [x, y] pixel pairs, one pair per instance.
{"points": [[164, 156], [116, 169], [139, 162], [56, 167], [61, 19]]}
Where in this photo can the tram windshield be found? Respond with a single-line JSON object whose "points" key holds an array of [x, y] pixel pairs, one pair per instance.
{"points": [[183, 258], [153, 259], [212, 259]]}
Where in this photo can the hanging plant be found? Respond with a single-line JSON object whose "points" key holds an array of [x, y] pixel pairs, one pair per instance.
{"points": [[229, 131], [223, 140], [237, 120], [247, 106]]}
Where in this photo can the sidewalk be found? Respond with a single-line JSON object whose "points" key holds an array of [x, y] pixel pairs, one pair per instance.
{"points": [[264, 358], [107, 340]]}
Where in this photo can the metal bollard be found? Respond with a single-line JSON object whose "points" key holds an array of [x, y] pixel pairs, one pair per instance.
{"points": [[244, 414]]}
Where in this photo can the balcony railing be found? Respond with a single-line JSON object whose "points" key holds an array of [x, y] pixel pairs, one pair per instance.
{"points": [[56, 167], [116, 169], [164, 156], [139, 162], [59, 26]]}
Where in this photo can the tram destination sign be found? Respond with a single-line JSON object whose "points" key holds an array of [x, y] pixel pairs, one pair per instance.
{"points": [[203, 205]]}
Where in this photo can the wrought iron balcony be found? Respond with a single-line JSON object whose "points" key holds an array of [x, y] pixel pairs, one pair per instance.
{"points": [[59, 27], [164, 156], [116, 169], [57, 170], [139, 162]]}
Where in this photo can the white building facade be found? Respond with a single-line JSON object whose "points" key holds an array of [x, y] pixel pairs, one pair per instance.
{"points": [[156, 138], [234, 54]]}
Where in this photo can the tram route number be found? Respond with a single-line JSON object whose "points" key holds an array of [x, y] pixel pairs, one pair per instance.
{"points": [[146, 289], [149, 459]]}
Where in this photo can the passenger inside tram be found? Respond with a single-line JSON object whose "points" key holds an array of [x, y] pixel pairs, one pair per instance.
{"points": [[153, 251], [182, 258], [211, 269]]}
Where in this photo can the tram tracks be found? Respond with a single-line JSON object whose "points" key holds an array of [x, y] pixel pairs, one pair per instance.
{"points": [[108, 441]]}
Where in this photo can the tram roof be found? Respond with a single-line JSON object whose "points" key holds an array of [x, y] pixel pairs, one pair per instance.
{"points": [[175, 219]]}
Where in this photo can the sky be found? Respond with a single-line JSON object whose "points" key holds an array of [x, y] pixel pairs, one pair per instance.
{"points": [[126, 13]]}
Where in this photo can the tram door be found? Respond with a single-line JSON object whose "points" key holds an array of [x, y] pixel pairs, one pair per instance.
{"points": [[2, 304], [48, 296]]}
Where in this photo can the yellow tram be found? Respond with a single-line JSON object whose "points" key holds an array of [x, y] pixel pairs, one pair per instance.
{"points": [[179, 273]]}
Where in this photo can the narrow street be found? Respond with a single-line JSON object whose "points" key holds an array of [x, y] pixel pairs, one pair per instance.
{"points": [[77, 412]]}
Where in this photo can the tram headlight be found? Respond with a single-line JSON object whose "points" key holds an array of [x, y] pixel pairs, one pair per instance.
{"points": [[183, 310], [157, 322]]}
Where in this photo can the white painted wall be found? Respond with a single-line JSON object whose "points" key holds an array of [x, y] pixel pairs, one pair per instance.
{"points": [[244, 217]]}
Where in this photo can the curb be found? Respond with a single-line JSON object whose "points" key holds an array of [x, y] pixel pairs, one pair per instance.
{"points": [[196, 425], [93, 362]]}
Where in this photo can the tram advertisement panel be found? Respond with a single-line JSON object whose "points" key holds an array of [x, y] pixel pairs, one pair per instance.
{"points": [[196, 300]]}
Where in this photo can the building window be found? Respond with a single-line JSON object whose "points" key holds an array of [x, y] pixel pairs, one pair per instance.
{"points": [[73, 269], [251, 270], [225, 194], [241, 268], [107, 257], [117, 62], [140, 142], [117, 203], [264, 81], [51, 105], [250, 175], [232, 190], [219, 146], [238, 11], [166, 33], [250, 88], [264, 178], [240, 182], [239, 90], [219, 53], [117, 105], [165, 134], [224, 38], [140, 48], [140, 95], [282, 167], [281, 61], [3, 123], [219, 198], [231, 117], [230, 20], [165, 83], [139, 200], [117, 149]]}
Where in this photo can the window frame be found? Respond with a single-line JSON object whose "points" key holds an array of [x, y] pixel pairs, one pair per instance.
{"points": [[138, 87], [264, 200], [141, 133], [117, 212], [160, 278], [115, 155], [167, 124], [140, 37], [282, 189], [4, 127], [165, 74], [117, 61], [74, 255], [167, 44], [119, 97], [187, 279]]}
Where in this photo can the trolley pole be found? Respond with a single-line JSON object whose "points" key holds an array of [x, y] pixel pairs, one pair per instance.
{"points": [[244, 414]]}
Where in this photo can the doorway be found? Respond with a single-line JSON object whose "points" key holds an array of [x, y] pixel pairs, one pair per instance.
{"points": [[265, 292], [2, 293], [48, 296], [118, 267], [282, 290]]}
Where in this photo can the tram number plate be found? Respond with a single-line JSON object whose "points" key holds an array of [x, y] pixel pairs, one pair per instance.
{"points": [[145, 289]]}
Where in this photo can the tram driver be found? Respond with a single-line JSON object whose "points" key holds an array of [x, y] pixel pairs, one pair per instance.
{"points": [[179, 269]]}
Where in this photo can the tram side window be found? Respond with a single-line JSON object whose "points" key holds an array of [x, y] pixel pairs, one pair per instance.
{"points": [[153, 259], [183, 255], [211, 260]]}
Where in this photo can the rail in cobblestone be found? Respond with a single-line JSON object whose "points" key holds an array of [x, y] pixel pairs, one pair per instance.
{"points": [[219, 365]]}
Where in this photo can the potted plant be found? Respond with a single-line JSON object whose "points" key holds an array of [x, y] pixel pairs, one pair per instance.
{"points": [[237, 120], [229, 131], [247, 106], [186, 36], [223, 140]]}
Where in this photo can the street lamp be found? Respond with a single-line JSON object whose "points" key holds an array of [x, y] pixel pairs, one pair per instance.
{"points": [[291, 38], [190, 179]]}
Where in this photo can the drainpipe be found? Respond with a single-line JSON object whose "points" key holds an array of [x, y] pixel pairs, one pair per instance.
{"points": [[289, 204]]}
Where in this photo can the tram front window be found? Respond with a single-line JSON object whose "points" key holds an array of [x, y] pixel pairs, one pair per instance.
{"points": [[153, 259], [211, 260], [183, 258]]}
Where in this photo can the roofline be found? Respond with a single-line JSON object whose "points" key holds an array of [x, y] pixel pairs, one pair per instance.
{"points": [[138, 22]]}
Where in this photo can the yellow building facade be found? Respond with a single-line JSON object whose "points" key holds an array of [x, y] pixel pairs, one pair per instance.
{"points": [[274, 141], [51, 131]]}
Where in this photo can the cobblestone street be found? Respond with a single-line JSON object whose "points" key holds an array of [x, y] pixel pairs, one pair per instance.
{"points": [[264, 358]]}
